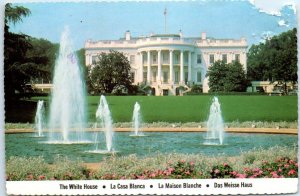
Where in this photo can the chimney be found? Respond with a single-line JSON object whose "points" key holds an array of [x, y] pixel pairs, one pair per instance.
{"points": [[127, 35], [203, 35], [180, 34]]}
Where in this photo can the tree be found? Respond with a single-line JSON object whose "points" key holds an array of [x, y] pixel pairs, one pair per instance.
{"points": [[110, 73], [227, 77], [235, 79], [15, 46], [275, 60], [217, 75]]}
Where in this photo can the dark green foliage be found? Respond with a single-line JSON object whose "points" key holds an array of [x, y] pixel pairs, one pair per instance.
{"points": [[221, 171], [110, 74], [26, 59], [274, 60], [227, 77]]}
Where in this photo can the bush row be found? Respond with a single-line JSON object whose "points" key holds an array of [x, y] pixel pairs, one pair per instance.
{"points": [[276, 162]]}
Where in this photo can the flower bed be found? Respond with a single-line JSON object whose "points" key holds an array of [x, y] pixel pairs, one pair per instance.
{"points": [[277, 162]]}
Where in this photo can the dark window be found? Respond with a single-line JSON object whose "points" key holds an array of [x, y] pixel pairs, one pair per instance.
{"points": [[224, 58], [237, 57], [211, 58], [199, 58], [198, 76]]}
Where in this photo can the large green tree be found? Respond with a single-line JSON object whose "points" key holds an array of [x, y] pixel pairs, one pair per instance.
{"points": [[227, 77], [274, 60], [26, 59], [15, 47], [110, 73]]}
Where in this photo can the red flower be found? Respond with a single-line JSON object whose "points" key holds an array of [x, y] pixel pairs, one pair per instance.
{"points": [[241, 175], [42, 177], [274, 174], [291, 172]]}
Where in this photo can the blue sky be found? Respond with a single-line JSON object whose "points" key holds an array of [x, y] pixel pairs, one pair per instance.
{"points": [[110, 20]]}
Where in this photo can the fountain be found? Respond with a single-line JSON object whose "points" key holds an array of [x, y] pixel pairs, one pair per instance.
{"points": [[136, 120], [215, 125], [68, 104], [39, 118], [103, 116]]}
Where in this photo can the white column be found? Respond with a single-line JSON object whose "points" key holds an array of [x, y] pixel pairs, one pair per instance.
{"points": [[90, 59], [87, 59], [181, 68], [159, 66], [171, 67], [141, 68], [148, 67], [190, 67]]}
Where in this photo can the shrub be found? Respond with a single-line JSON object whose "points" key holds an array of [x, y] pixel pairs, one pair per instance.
{"points": [[22, 168], [65, 169], [221, 171]]}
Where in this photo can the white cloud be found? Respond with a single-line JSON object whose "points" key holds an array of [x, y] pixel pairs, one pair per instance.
{"points": [[283, 23], [274, 7]]}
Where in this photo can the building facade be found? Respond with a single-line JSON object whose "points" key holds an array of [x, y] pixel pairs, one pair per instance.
{"points": [[169, 64]]}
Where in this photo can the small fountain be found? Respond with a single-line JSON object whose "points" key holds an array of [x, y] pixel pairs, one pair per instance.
{"points": [[136, 120], [103, 116], [39, 118], [215, 125], [67, 117]]}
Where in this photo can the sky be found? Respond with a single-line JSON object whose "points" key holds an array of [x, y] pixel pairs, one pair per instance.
{"points": [[110, 20]]}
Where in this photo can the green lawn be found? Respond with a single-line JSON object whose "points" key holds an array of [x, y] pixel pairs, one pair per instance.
{"points": [[196, 108]]}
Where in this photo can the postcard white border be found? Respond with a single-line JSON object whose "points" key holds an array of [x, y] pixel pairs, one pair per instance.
{"points": [[260, 186]]}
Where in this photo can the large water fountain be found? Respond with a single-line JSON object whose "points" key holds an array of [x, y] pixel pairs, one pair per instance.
{"points": [[215, 125], [39, 118], [136, 121], [68, 105], [103, 116]]}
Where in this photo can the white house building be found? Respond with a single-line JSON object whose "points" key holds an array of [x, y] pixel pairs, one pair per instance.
{"points": [[170, 63]]}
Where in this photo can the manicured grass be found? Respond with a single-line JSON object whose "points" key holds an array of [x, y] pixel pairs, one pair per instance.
{"points": [[196, 108]]}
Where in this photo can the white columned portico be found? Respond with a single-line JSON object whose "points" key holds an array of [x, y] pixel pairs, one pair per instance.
{"points": [[181, 68], [159, 66], [141, 73], [189, 67], [171, 67], [148, 67]]}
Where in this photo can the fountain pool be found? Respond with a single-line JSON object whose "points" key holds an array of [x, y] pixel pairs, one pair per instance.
{"points": [[163, 142]]}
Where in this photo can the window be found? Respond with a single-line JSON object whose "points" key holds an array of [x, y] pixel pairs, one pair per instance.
{"points": [[132, 76], [224, 58], [237, 57], [165, 79], [165, 58], [145, 76], [185, 58], [198, 76], [154, 76], [154, 59], [186, 75], [199, 58], [211, 58], [132, 59], [144, 58], [176, 76], [94, 59], [176, 60]]}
